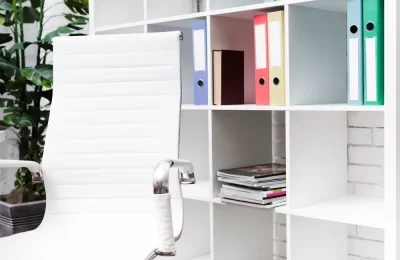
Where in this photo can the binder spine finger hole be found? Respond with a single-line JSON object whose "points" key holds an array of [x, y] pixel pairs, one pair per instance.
{"points": [[200, 83], [262, 81], [370, 26], [276, 81], [354, 29]]}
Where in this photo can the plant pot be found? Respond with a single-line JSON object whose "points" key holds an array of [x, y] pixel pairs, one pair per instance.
{"points": [[20, 217]]}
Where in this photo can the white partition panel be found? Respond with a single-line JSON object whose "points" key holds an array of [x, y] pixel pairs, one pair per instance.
{"points": [[318, 157]]}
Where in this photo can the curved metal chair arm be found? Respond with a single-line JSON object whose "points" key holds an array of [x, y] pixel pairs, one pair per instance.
{"points": [[161, 188], [33, 167]]}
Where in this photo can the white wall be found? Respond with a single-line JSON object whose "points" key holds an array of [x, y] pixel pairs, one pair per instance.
{"points": [[365, 177], [9, 148]]}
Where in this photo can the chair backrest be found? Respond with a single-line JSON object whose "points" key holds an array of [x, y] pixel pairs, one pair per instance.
{"points": [[115, 114]]}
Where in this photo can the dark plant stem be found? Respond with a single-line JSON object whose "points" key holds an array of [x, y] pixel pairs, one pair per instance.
{"points": [[38, 90], [40, 33], [16, 38], [22, 37]]}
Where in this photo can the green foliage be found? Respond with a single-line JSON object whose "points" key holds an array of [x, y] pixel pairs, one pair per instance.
{"points": [[26, 92]]}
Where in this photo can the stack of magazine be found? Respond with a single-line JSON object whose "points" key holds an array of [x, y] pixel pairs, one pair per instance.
{"points": [[261, 186]]}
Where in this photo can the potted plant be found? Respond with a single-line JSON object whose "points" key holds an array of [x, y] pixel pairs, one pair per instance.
{"points": [[26, 95]]}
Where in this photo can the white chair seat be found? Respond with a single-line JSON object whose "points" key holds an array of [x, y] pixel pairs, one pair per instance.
{"points": [[85, 237]]}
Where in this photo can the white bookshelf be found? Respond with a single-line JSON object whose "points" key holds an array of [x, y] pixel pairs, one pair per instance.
{"points": [[216, 137]]}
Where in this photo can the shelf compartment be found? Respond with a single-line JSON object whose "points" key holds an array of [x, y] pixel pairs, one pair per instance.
{"points": [[316, 239], [357, 210], [253, 226], [196, 231], [241, 138], [316, 55], [161, 9], [236, 34], [132, 11]]}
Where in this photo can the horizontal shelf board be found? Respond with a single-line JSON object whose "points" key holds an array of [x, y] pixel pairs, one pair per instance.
{"points": [[185, 20], [194, 107], [248, 11], [324, 107], [248, 107], [120, 26], [204, 257], [201, 191], [355, 210], [240, 12], [335, 107]]}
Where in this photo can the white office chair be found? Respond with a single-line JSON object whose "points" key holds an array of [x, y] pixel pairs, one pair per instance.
{"points": [[112, 140]]}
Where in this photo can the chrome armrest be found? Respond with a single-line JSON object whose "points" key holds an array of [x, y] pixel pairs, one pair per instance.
{"points": [[161, 187], [161, 174], [33, 167]]}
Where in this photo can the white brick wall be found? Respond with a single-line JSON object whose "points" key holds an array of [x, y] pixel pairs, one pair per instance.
{"points": [[365, 177]]}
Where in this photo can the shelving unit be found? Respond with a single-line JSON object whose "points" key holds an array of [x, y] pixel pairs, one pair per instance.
{"points": [[214, 137]]}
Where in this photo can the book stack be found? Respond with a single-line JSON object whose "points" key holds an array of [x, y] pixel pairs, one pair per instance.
{"points": [[260, 186]]}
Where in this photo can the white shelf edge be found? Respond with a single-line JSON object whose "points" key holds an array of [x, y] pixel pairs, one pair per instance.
{"points": [[177, 18], [255, 7], [251, 107], [194, 107], [201, 14], [335, 107], [363, 211], [120, 26]]}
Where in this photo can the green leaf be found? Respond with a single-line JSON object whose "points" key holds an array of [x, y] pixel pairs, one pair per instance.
{"points": [[16, 84], [45, 46], [35, 3], [5, 37], [19, 120], [2, 19], [8, 67], [78, 6], [73, 26], [77, 19], [10, 103], [4, 101], [78, 34], [58, 32], [7, 19], [19, 46], [47, 83], [2, 88], [30, 15], [6, 6], [13, 110], [26, 120], [39, 75]]}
